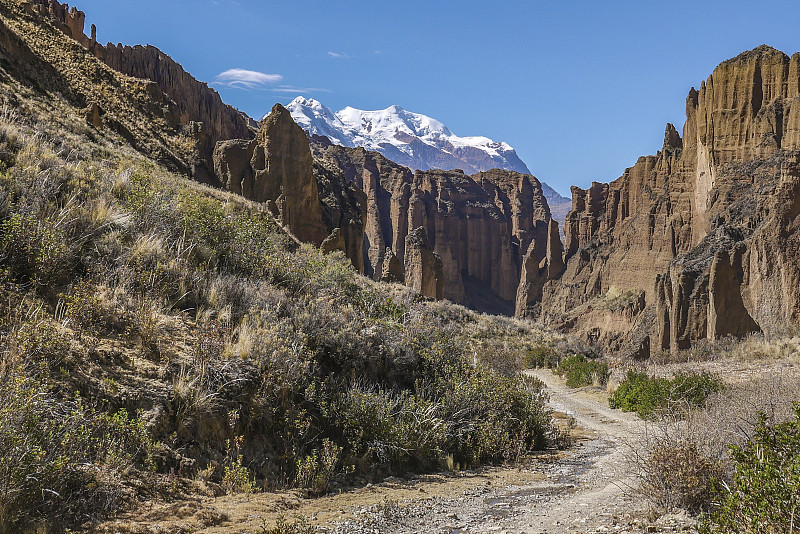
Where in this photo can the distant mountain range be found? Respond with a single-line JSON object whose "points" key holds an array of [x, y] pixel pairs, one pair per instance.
{"points": [[417, 141]]}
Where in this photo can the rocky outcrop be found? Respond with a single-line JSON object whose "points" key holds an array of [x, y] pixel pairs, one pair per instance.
{"points": [[727, 314], [531, 283], [479, 226], [277, 168], [344, 210], [536, 272], [392, 268], [69, 21], [699, 227], [423, 267]]}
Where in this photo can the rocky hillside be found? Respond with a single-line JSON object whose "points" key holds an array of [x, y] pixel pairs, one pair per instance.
{"points": [[198, 109], [164, 340], [40, 58], [700, 240]]}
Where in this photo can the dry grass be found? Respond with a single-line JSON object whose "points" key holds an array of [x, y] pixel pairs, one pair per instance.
{"points": [[683, 458]]}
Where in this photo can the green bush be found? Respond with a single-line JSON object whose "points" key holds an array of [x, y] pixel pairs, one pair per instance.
{"points": [[581, 371], [648, 395], [316, 471], [301, 525], [62, 461], [765, 493], [541, 356], [34, 252]]}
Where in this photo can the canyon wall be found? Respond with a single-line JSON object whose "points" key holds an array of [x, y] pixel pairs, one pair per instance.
{"points": [[707, 229], [479, 226], [698, 241]]}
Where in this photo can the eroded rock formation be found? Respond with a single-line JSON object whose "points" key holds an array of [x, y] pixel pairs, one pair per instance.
{"points": [[277, 168], [423, 267], [392, 268], [478, 225], [195, 100], [707, 228]]}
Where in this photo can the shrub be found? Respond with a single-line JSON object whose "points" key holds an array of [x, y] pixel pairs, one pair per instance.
{"points": [[282, 526], [87, 312], [315, 472], [236, 477], [541, 356], [34, 252], [676, 474], [765, 491], [61, 461], [647, 395], [581, 371]]}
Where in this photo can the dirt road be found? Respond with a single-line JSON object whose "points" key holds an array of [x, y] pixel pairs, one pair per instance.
{"points": [[585, 491]]}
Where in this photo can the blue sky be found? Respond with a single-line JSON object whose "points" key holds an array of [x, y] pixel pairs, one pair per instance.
{"points": [[580, 89]]}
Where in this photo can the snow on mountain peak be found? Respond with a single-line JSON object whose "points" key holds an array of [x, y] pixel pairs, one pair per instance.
{"points": [[411, 139]]}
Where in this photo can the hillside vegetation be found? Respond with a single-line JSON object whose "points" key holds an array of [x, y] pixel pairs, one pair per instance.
{"points": [[158, 334]]}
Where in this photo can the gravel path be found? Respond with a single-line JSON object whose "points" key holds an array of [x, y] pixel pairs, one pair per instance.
{"points": [[587, 491]]}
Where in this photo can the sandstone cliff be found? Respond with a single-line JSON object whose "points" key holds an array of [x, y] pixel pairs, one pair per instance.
{"points": [[479, 226], [707, 228]]}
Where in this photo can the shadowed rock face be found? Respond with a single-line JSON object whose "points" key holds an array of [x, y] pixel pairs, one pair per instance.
{"points": [[478, 225], [707, 227], [276, 167], [536, 272], [377, 179]]}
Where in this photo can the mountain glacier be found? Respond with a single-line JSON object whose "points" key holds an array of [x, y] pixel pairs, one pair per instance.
{"points": [[411, 139]]}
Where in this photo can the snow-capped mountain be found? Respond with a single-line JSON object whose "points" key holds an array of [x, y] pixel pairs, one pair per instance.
{"points": [[411, 139]]}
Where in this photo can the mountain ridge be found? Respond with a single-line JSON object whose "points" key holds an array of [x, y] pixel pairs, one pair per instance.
{"points": [[414, 140]]}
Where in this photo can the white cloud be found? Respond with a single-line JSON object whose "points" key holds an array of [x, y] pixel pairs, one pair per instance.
{"points": [[301, 90], [339, 55], [246, 79]]}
